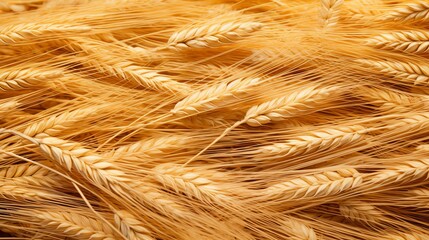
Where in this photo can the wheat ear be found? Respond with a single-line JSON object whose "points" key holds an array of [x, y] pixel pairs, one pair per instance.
{"points": [[414, 12], [315, 186], [28, 173], [316, 141], [8, 106], [298, 230], [405, 41], [360, 211], [212, 35], [20, 32], [191, 182], [413, 123], [130, 227], [330, 12], [295, 104], [24, 78], [75, 225], [149, 147], [127, 70], [214, 97], [417, 74], [403, 172], [11, 190], [405, 236], [391, 99], [55, 124], [7, 7]]}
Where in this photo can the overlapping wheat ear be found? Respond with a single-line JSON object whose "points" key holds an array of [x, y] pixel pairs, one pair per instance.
{"points": [[315, 186], [29, 174], [414, 12], [403, 172], [212, 35], [8, 106], [315, 141], [20, 32], [407, 72], [214, 97], [127, 70], [76, 225], [296, 104], [298, 230], [149, 147], [360, 211], [404, 41], [191, 182], [11, 190], [411, 123], [25, 78], [392, 99], [130, 227], [330, 12]]}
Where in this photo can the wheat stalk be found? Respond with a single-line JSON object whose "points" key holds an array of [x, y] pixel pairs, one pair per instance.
{"points": [[414, 12], [20, 32], [405, 41], [403, 172], [25, 78], [360, 211], [408, 72], [316, 141], [191, 182], [295, 104], [212, 35], [315, 186], [214, 97], [130, 227], [330, 12], [80, 226]]}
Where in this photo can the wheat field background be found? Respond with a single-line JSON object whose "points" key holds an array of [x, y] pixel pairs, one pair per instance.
{"points": [[214, 119]]}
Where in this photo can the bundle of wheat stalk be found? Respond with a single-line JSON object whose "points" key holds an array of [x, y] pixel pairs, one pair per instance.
{"points": [[214, 119]]}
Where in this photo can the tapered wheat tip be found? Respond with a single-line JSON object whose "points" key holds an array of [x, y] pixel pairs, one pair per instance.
{"points": [[25, 78], [130, 227], [212, 35], [404, 41], [360, 211], [314, 186], [295, 104], [298, 230], [413, 12], [330, 12], [21, 32], [191, 182], [404, 172], [407, 72], [324, 140], [75, 225], [214, 97]]}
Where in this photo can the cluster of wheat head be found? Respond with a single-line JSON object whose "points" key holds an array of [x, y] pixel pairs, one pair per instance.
{"points": [[214, 119]]}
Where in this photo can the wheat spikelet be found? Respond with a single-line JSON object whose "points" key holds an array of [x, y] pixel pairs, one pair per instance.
{"points": [[21, 32], [11, 190], [214, 97], [414, 12], [24, 78], [149, 147], [130, 227], [360, 211], [413, 123], [330, 12], [314, 186], [28, 173], [294, 104], [423, 148], [417, 74], [212, 35], [53, 125], [404, 172], [190, 182], [75, 225], [405, 41], [7, 106], [316, 141], [298, 230]]}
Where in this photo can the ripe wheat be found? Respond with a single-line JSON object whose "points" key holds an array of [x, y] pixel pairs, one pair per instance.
{"points": [[404, 41], [414, 12]]}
